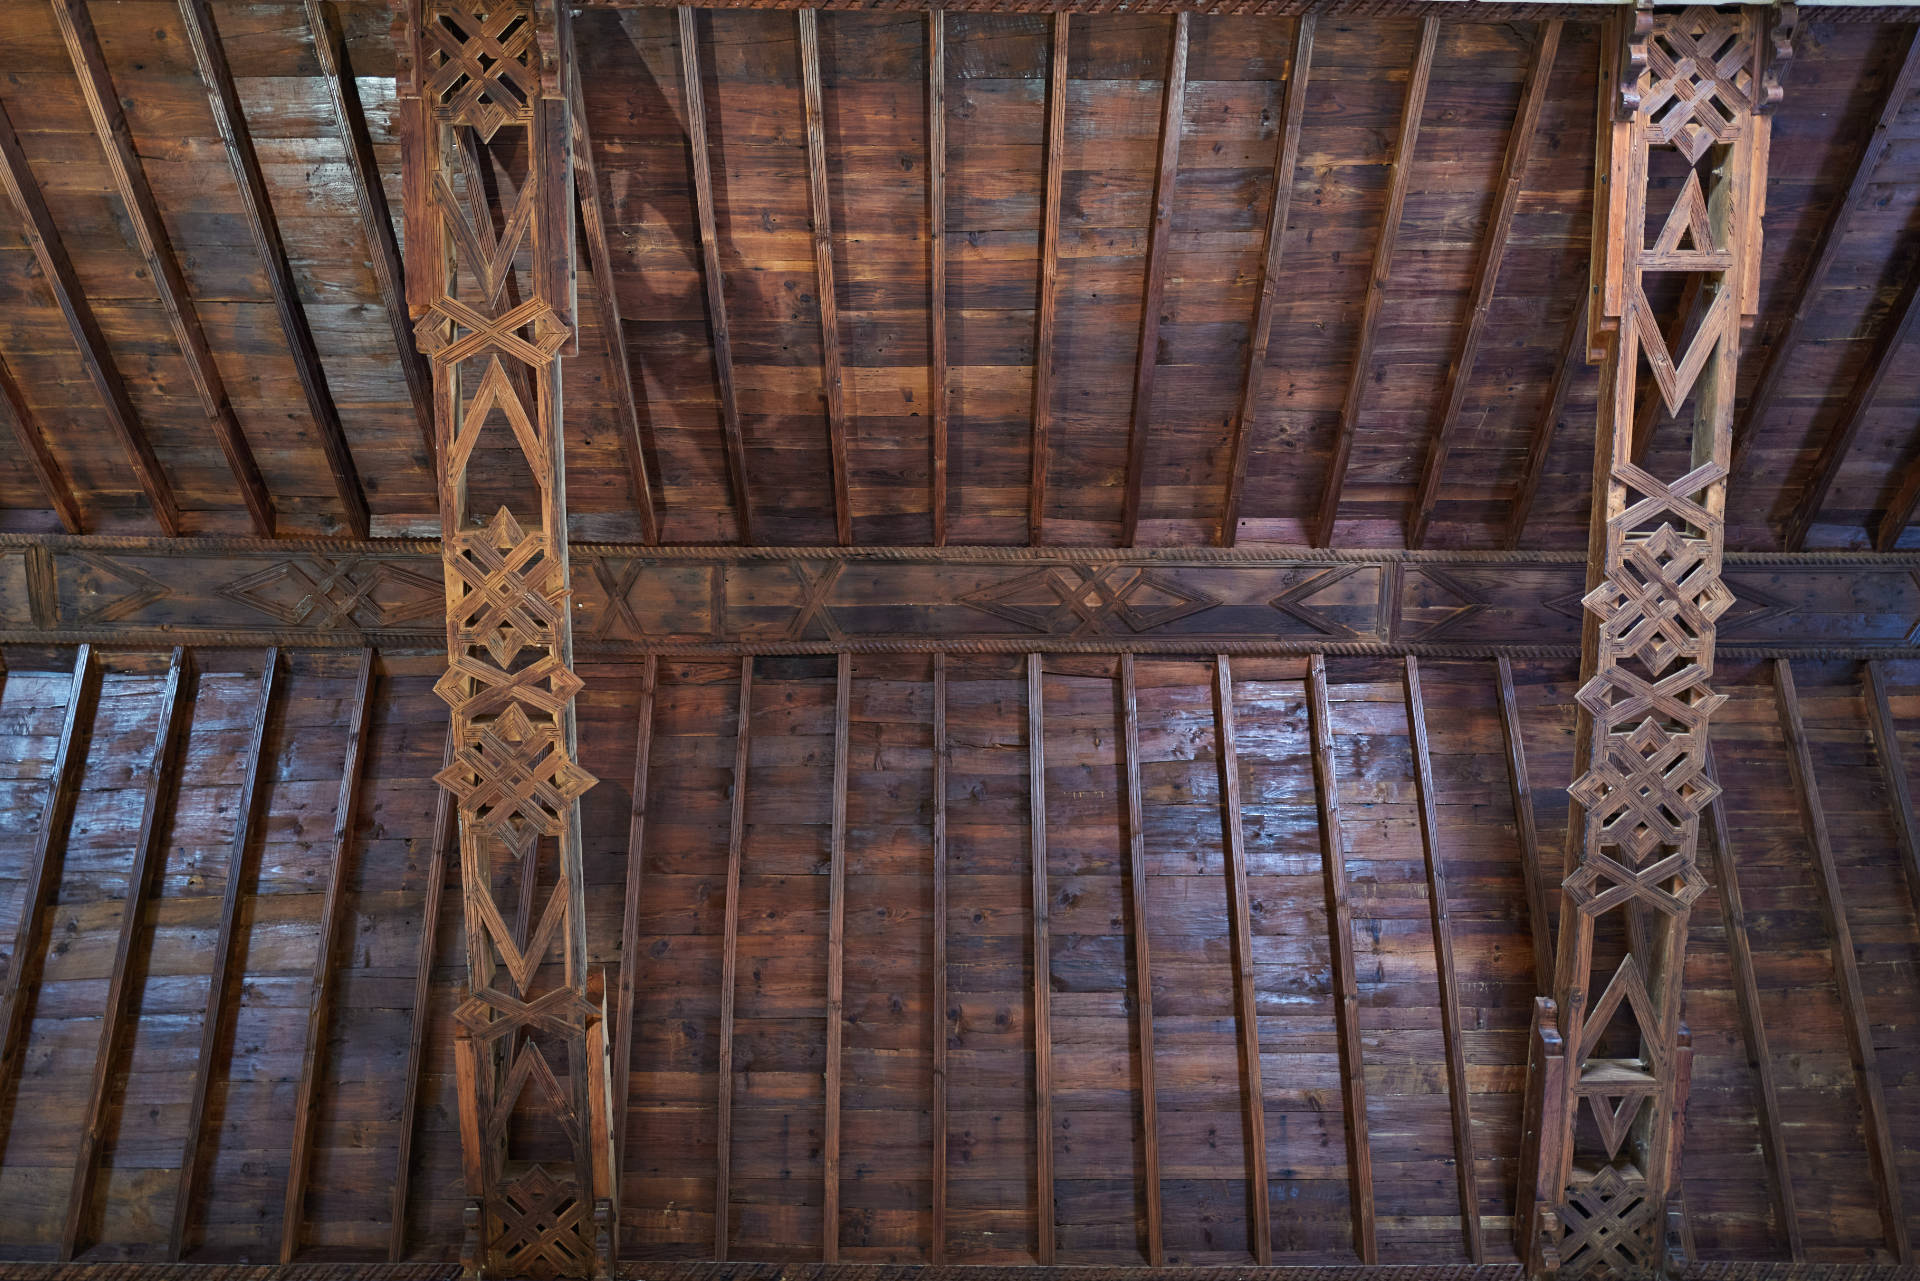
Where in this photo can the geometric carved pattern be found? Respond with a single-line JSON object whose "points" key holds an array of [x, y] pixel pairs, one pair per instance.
{"points": [[1089, 600], [313, 591], [1610, 1222], [546, 1227]]}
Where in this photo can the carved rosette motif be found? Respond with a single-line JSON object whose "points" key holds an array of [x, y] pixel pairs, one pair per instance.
{"points": [[484, 117]]}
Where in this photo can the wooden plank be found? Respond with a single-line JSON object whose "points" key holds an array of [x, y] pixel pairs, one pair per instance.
{"points": [[446, 834], [710, 262], [632, 906], [1049, 282], [1333, 853], [1753, 1028], [836, 959], [1493, 248], [33, 447], [1245, 984], [1286, 161], [830, 375], [44, 863], [1866, 1071], [1886, 742], [937, 273], [1042, 961], [1409, 136], [1459, 1100], [593, 230], [1173, 104], [163, 267], [1527, 833], [162, 781], [1806, 298], [229, 120], [333, 905], [940, 1020], [220, 973], [729, 965], [370, 203], [1142, 952], [1573, 359], [56, 270]]}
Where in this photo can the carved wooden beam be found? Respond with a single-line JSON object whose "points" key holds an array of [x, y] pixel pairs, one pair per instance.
{"points": [[937, 270], [1049, 282], [1041, 902], [832, 380]]}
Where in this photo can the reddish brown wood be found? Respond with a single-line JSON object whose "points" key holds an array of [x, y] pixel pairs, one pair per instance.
{"points": [[1049, 282], [832, 382], [219, 975], [631, 908], [56, 269], [729, 963], [1525, 830], [1142, 955], [1573, 358], [333, 905], [836, 960], [1042, 958], [33, 447], [1245, 981], [1886, 743], [1493, 247], [942, 1021], [1286, 161], [710, 261], [937, 375], [150, 233], [1846, 968], [1172, 113], [1689, 315], [1409, 136]]}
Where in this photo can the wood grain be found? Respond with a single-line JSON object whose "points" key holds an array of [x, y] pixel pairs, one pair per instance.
{"points": [[1045, 317]]}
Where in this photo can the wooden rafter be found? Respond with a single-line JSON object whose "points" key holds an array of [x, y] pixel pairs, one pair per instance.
{"points": [[169, 282], [1573, 358], [1040, 904], [1253, 381], [1146, 360], [56, 269], [940, 1027], [729, 968], [1049, 281], [937, 261], [628, 993], [1886, 744], [1377, 277], [836, 960], [33, 446], [1142, 952], [1525, 830], [831, 377], [1493, 247]]}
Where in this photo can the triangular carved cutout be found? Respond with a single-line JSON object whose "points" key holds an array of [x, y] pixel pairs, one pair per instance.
{"points": [[1676, 380], [520, 966], [1687, 222], [488, 256], [1629, 986], [530, 1065], [1614, 1115], [496, 391]]}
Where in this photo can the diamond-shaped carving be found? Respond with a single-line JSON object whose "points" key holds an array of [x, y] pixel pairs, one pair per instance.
{"points": [[315, 591], [480, 64], [546, 1227], [513, 777], [1084, 600], [1698, 86], [510, 592], [1609, 1219]]}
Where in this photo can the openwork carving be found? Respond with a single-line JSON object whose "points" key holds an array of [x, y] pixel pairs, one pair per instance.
{"points": [[1687, 155], [484, 117]]}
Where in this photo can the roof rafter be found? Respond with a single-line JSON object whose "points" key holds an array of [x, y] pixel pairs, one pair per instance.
{"points": [[832, 380], [33, 444], [1049, 281]]}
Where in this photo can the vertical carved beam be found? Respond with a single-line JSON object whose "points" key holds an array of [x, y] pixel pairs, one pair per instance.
{"points": [[1049, 280], [937, 275], [1042, 950], [490, 282], [1687, 136], [836, 960], [939, 951]]}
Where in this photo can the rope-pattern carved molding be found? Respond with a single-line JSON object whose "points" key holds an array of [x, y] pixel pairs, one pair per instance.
{"points": [[1454, 10]]}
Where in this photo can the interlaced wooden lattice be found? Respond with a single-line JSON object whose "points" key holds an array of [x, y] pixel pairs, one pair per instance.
{"points": [[484, 118], [1688, 140]]}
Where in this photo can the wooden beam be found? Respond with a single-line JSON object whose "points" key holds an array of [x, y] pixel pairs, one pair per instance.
{"points": [[221, 960], [1377, 278], [1142, 953], [1895, 329], [1493, 248], [370, 202], [229, 120], [33, 447], [1753, 1028], [56, 269], [632, 905], [332, 906], [445, 835], [1846, 968], [1458, 1098], [1245, 986], [1573, 359], [169, 282], [1779, 353], [1173, 102], [1042, 960], [715, 282], [1333, 853], [836, 958], [1525, 829], [940, 1024], [1886, 742], [593, 229], [1049, 282], [1285, 162], [44, 863], [147, 851], [937, 269], [1688, 316], [729, 963], [831, 377]]}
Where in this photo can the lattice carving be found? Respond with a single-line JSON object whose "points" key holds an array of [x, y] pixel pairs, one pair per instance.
{"points": [[1686, 156], [484, 117]]}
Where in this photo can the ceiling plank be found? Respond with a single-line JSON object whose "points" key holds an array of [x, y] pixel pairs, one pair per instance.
{"points": [[1049, 284], [1253, 381], [1573, 358], [1493, 248], [729, 964], [940, 1023], [33, 445], [632, 904], [1526, 831], [836, 959], [710, 259], [937, 247], [832, 379], [1415, 101], [1166, 174], [56, 269], [370, 202], [1142, 956], [220, 975], [169, 282], [1042, 951]]}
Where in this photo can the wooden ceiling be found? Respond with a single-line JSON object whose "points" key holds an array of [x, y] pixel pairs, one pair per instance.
{"points": [[1830, 383]]}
